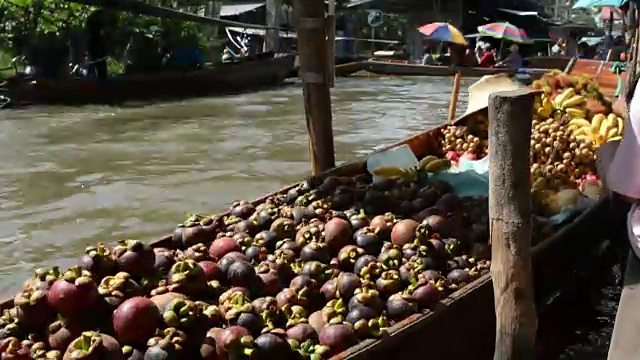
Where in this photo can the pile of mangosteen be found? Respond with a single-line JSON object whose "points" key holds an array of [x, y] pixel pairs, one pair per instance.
{"points": [[306, 273]]}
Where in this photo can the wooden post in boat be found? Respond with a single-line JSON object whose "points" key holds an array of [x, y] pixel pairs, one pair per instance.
{"points": [[331, 43], [510, 223], [272, 36], [455, 94], [312, 49]]}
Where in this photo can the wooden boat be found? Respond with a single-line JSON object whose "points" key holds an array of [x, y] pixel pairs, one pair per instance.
{"points": [[350, 68], [467, 316], [548, 62], [599, 70], [402, 68], [344, 65], [244, 75]]}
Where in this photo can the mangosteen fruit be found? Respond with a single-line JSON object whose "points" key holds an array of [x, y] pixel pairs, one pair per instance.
{"points": [[33, 310], [458, 278], [13, 349], [360, 313], [208, 347], [42, 279], [187, 277], [391, 257], [223, 246], [367, 238], [382, 225], [448, 203], [307, 234], [329, 289], [358, 221], [337, 338], [118, 288], [315, 251], [400, 306], [74, 293], [346, 285], [316, 270], [211, 270], [438, 224], [366, 296], [242, 274], [302, 332], [389, 283], [337, 234], [272, 345], [256, 254], [270, 279], [348, 255], [135, 258], [136, 320], [234, 342], [93, 345], [283, 228], [165, 258], [61, 333], [163, 300], [167, 345], [99, 261], [227, 260], [404, 232], [242, 209], [197, 252], [267, 239]]}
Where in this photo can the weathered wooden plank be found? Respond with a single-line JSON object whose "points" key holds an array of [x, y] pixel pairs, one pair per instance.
{"points": [[624, 342]]}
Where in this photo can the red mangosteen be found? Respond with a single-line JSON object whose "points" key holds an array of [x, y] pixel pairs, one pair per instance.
{"points": [[302, 332], [93, 345], [438, 224], [40, 350], [346, 285], [329, 290], [256, 254], [197, 252], [163, 300], [270, 279], [382, 225], [348, 255], [118, 288], [225, 262], [338, 338], [61, 333], [358, 221], [366, 296], [427, 294], [33, 310], [208, 347], [168, 344], [223, 246], [400, 306], [288, 245], [74, 293], [404, 232], [211, 270], [99, 261], [136, 320], [13, 349], [242, 209], [337, 234], [367, 267], [135, 258], [389, 283], [234, 342], [131, 353]]}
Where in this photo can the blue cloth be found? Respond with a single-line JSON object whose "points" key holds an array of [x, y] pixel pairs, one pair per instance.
{"points": [[187, 56]]}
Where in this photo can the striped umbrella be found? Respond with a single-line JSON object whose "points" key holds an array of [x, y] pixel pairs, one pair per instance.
{"points": [[441, 31], [504, 31]]}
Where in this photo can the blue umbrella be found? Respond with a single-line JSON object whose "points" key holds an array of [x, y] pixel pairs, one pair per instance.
{"points": [[598, 3]]}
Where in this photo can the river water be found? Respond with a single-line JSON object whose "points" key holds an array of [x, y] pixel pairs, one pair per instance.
{"points": [[74, 176]]}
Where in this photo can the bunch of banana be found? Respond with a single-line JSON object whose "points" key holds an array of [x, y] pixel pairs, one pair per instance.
{"points": [[433, 164], [545, 107], [396, 173], [599, 130], [568, 102]]}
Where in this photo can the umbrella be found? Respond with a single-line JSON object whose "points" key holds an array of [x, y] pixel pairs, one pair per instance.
{"points": [[504, 31], [581, 4], [444, 32]]}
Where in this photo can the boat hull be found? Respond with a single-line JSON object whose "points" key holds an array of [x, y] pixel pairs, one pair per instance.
{"points": [[404, 69], [222, 79]]}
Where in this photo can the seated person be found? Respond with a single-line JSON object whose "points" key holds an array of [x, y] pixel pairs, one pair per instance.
{"points": [[428, 58], [488, 58]]}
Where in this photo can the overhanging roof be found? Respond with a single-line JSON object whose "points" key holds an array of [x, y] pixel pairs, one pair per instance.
{"points": [[230, 10]]}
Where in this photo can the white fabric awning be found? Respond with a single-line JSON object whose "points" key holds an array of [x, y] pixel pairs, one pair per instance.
{"points": [[230, 10]]}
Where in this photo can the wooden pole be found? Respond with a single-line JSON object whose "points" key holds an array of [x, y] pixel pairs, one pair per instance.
{"points": [[331, 43], [312, 50], [510, 228], [272, 37], [455, 94]]}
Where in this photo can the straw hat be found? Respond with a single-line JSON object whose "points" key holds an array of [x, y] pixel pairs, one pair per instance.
{"points": [[479, 92]]}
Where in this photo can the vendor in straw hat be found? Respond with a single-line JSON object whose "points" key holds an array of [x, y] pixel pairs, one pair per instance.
{"points": [[514, 61]]}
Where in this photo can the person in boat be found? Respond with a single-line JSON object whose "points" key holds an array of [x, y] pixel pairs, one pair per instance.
{"points": [[514, 61], [488, 58], [227, 55], [428, 58], [470, 58], [97, 43]]}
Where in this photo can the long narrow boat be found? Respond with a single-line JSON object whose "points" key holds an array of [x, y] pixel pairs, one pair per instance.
{"points": [[350, 68], [400, 68], [241, 76], [462, 325]]}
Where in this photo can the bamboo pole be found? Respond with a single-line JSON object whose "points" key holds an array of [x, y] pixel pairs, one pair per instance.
{"points": [[312, 49], [455, 94], [510, 227]]}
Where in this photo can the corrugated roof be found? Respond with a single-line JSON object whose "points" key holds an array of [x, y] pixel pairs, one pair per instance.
{"points": [[230, 10]]}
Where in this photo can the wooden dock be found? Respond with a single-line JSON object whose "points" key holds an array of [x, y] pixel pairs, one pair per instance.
{"points": [[624, 342]]}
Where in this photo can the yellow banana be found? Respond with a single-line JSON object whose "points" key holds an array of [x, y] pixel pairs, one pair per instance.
{"points": [[611, 133], [438, 165], [597, 120], [547, 105], [607, 124], [564, 95], [389, 172], [617, 138], [579, 122], [582, 131], [620, 125], [586, 138], [426, 161], [573, 101], [543, 113], [575, 113]]}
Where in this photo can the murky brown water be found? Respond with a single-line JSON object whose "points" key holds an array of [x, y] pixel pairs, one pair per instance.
{"points": [[73, 176]]}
